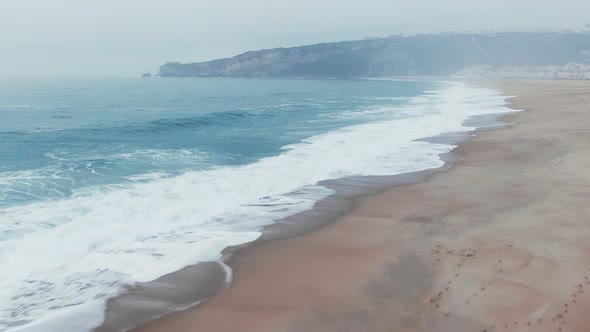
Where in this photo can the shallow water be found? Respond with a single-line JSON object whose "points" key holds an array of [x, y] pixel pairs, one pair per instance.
{"points": [[109, 182]]}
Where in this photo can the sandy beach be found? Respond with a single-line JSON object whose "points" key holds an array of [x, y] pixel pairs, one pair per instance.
{"points": [[497, 243]]}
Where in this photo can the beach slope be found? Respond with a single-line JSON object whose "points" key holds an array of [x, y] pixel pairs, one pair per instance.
{"points": [[497, 243]]}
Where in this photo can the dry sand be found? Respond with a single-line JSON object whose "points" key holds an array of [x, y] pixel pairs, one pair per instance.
{"points": [[501, 242]]}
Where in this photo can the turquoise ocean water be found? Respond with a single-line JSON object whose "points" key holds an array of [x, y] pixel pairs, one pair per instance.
{"points": [[109, 182]]}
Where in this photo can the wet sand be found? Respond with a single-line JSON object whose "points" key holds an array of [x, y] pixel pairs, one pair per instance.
{"points": [[497, 243]]}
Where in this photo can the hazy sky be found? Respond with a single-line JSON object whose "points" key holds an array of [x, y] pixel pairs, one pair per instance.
{"points": [[128, 37]]}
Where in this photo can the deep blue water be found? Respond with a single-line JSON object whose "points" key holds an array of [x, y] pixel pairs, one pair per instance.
{"points": [[60, 136]]}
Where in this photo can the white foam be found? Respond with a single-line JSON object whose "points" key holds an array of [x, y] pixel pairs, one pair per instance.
{"points": [[80, 250], [15, 106], [147, 176]]}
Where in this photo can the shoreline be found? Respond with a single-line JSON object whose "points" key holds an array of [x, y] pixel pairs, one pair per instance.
{"points": [[348, 193], [436, 256], [185, 288], [139, 303], [191, 286]]}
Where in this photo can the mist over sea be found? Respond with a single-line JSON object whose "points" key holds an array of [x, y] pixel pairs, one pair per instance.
{"points": [[109, 182]]}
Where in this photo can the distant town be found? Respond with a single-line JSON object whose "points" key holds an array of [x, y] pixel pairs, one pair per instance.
{"points": [[571, 71], [585, 30]]}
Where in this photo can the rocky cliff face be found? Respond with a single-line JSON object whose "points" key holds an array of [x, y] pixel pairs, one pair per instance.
{"points": [[416, 55]]}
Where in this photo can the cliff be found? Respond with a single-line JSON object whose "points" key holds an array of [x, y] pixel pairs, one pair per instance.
{"points": [[435, 55]]}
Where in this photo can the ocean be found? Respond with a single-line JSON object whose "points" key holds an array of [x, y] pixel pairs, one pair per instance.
{"points": [[109, 182]]}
